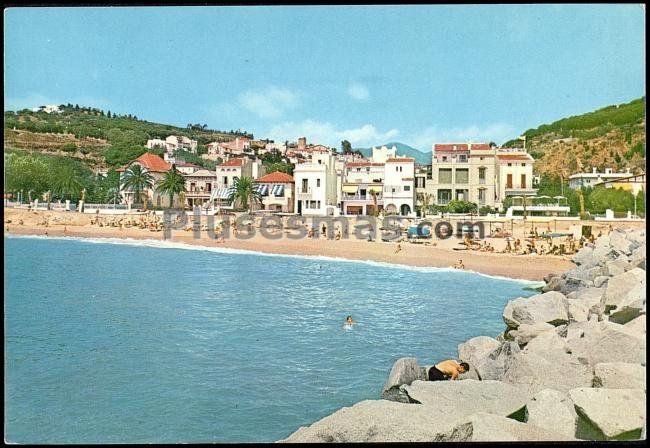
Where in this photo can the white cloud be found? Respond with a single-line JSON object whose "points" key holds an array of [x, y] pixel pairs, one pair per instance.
{"points": [[358, 91], [327, 134], [495, 132], [271, 102]]}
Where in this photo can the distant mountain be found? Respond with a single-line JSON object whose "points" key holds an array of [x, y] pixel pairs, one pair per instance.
{"points": [[420, 157]]}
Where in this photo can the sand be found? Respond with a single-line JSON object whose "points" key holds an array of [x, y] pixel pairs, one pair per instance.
{"points": [[438, 254]]}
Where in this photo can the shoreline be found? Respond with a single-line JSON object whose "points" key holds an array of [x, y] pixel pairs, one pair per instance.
{"points": [[438, 255]]}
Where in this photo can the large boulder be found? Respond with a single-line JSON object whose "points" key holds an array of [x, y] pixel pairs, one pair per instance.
{"points": [[377, 421], [469, 396], [636, 327], [619, 242], [585, 257], [404, 371], [550, 307], [601, 281], [475, 350], [619, 285], [619, 375], [630, 306], [527, 332], [578, 311], [498, 361], [607, 342], [609, 414], [552, 410], [485, 427], [617, 267], [554, 284]]}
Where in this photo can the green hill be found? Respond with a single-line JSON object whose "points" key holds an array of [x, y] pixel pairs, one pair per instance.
{"points": [[420, 157]]}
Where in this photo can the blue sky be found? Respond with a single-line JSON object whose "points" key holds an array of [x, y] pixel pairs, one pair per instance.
{"points": [[369, 74]]}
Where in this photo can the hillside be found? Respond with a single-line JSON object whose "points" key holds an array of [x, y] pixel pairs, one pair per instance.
{"points": [[611, 137], [99, 138], [420, 157]]}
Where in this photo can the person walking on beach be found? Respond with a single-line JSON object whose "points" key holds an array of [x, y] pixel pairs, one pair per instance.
{"points": [[447, 370], [399, 248]]}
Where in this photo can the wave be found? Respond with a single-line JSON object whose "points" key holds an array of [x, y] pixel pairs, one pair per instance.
{"points": [[164, 244]]}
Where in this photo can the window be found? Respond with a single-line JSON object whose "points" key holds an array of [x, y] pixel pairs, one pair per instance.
{"points": [[462, 176], [318, 183], [396, 169], [444, 175], [304, 185], [420, 182], [444, 158], [368, 170], [510, 164], [462, 157], [358, 170], [400, 169], [192, 186], [481, 196], [318, 202], [523, 164], [523, 181], [208, 187], [407, 188], [481, 175], [225, 180]]}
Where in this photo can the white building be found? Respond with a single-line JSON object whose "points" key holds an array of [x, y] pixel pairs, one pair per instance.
{"points": [[399, 186], [515, 174], [380, 155], [233, 169], [50, 109], [199, 185], [316, 186], [594, 178], [362, 188]]}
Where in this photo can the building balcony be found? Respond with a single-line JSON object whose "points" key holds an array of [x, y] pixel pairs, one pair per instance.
{"points": [[303, 194], [198, 194], [361, 198], [512, 191]]}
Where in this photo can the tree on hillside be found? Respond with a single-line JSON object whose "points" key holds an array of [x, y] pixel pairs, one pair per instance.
{"points": [[346, 147], [244, 193], [137, 179], [173, 184]]}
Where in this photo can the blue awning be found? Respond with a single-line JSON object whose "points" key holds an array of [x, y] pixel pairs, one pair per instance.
{"points": [[277, 190]]}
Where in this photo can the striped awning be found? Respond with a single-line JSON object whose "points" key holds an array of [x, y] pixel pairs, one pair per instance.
{"points": [[277, 190], [221, 193], [350, 188]]}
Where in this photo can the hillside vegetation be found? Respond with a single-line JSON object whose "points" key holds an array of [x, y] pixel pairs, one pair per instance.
{"points": [[100, 139], [611, 137]]}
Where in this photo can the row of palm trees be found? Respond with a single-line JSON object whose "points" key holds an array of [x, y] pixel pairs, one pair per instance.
{"points": [[137, 179]]}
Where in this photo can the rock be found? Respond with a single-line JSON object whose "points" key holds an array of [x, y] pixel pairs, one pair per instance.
{"points": [[619, 285], [591, 296], [606, 253], [636, 327], [609, 414], [601, 280], [585, 257], [619, 375], [484, 427], [550, 307], [377, 421], [631, 306], [498, 361], [619, 242], [578, 310], [602, 241], [555, 284], [586, 274], [638, 255], [608, 342], [475, 350], [552, 410], [404, 371], [469, 396], [526, 332], [618, 266]]}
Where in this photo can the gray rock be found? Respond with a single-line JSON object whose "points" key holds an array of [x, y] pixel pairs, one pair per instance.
{"points": [[617, 267], [404, 371], [606, 253], [618, 287], [609, 414], [602, 241], [469, 396], [601, 280], [578, 310], [585, 257], [636, 327], [631, 306], [555, 284], [592, 296], [475, 350], [586, 274], [608, 342], [526, 332], [498, 361], [377, 421], [619, 375], [550, 307], [552, 410], [484, 427], [619, 242]]}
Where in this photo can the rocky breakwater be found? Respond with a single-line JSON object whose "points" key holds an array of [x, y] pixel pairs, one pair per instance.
{"points": [[569, 366]]}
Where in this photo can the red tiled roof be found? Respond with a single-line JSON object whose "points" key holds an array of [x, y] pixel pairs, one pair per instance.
{"points": [[277, 177], [187, 164], [400, 160], [480, 146], [233, 162], [150, 162], [450, 147], [514, 157]]}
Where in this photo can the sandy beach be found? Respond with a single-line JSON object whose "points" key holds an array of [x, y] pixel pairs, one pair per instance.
{"points": [[439, 253]]}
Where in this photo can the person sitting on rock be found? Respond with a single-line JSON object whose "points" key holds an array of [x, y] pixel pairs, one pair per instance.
{"points": [[447, 370]]}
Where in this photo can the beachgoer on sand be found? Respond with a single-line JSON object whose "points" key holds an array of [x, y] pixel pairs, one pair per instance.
{"points": [[447, 370], [399, 248], [459, 265]]}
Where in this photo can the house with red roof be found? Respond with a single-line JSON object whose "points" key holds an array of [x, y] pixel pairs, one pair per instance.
{"points": [[230, 170], [276, 190], [155, 166]]}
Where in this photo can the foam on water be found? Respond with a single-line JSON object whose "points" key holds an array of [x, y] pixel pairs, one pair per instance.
{"points": [[164, 244]]}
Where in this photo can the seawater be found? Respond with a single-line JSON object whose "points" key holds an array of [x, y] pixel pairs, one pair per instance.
{"points": [[134, 343]]}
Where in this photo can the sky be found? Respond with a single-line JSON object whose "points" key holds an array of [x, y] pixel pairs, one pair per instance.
{"points": [[417, 74]]}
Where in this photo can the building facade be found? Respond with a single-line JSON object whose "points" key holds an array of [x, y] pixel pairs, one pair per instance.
{"points": [[399, 186], [515, 174], [199, 185], [316, 186], [276, 190], [580, 180]]}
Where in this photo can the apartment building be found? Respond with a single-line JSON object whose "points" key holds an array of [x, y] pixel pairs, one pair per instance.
{"points": [[515, 174], [399, 186], [199, 185], [362, 188], [230, 170], [594, 178], [316, 186], [463, 172]]}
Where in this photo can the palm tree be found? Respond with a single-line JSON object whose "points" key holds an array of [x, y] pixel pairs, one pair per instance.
{"points": [[425, 198], [172, 184], [66, 182], [137, 179], [244, 191]]}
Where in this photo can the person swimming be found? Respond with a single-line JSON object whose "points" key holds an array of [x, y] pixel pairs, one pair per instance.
{"points": [[349, 321]]}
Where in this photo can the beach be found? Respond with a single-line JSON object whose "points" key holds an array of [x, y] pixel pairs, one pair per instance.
{"points": [[440, 253]]}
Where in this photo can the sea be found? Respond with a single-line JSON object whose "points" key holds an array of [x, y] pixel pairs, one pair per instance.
{"points": [[126, 341]]}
